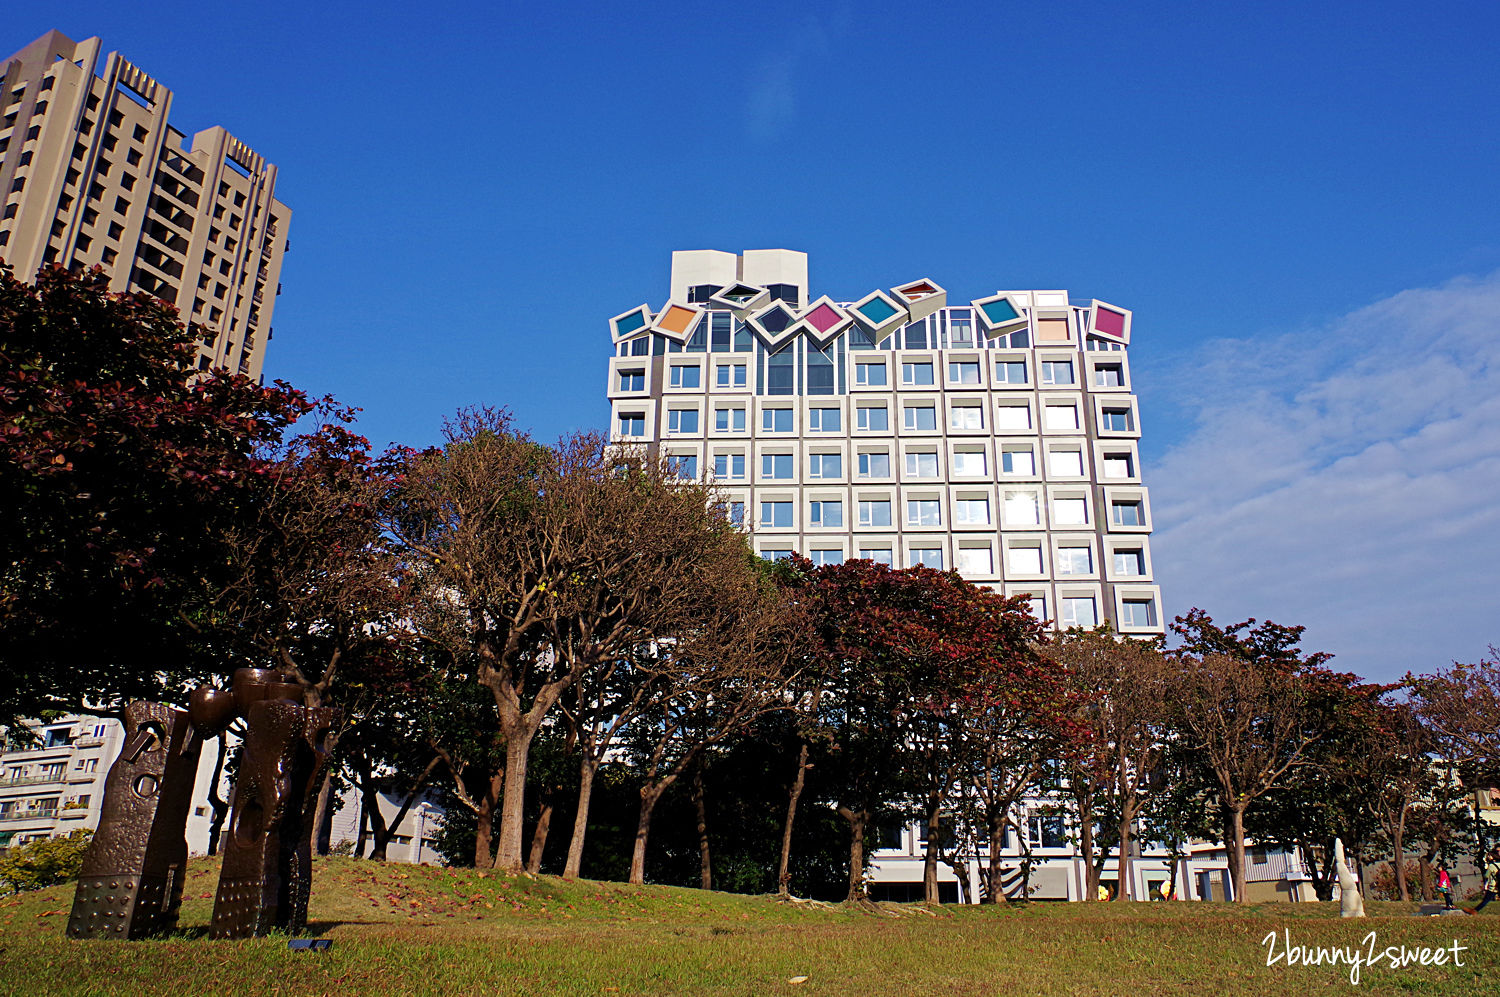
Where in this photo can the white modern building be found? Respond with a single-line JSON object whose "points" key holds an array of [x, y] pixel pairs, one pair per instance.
{"points": [[995, 435]]}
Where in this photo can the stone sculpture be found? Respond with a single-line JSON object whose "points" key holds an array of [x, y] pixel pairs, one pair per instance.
{"points": [[131, 882], [1351, 904]]}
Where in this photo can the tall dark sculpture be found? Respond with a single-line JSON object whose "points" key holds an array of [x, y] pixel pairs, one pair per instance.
{"points": [[131, 882], [267, 874]]}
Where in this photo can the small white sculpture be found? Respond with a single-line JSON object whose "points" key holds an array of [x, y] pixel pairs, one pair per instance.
{"points": [[1351, 904]]}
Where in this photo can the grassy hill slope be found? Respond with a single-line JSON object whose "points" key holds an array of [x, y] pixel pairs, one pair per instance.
{"points": [[414, 930]]}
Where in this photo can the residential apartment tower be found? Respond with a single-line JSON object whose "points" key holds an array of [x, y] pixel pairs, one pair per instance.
{"points": [[92, 173]]}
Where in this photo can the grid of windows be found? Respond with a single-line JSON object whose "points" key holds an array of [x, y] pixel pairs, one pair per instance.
{"points": [[988, 463]]}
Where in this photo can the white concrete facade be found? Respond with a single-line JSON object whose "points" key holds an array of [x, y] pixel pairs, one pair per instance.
{"points": [[997, 437]]}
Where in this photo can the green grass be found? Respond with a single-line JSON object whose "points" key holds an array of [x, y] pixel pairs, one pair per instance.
{"points": [[405, 930]]}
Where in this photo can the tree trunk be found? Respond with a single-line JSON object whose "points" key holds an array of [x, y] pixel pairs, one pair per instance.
{"points": [[1086, 852], [783, 870], [1236, 853], [215, 802], [364, 832], [518, 737], [650, 794], [484, 832], [380, 832], [539, 836], [994, 887], [586, 772], [320, 817], [934, 843], [857, 820], [705, 860], [1400, 859], [1127, 814], [1176, 858]]}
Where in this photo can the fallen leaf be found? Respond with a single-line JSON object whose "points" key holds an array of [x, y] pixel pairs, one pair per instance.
{"points": [[798, 979]]}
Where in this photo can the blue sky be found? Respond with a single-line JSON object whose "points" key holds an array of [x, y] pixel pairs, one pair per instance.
{"points": [[476, 188]]}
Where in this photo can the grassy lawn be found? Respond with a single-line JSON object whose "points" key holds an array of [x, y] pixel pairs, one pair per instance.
{"points": [[403, 930]]}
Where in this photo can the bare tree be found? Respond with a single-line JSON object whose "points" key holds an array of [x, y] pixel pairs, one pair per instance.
{"points": [[1252, 724], [1461, 704], [546, 566], [714, 680], [1127, 686]]}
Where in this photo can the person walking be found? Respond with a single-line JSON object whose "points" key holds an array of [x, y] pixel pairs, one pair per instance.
{"points": [[1491, 878]]}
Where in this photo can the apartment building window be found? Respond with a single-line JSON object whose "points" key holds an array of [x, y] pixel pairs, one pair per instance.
{"points": [[776, 515], [1137, 613], [1018, 461], [1125, 512], [927, 557], [729, 375], [1117, 465], [870, 374], [1012, 417], [683, 465], [53, 771], [966, 417], [1065, 463], [776, 467], [825, 465], [87, 765], [873, 419], [632, 424], [1010, 371], [963, 371], [875, 465], [1109, 375], [735, 513], [916, 373], [781, 372], [1075, 559], [1057, 372], [819, 557], [969, 464], [776, 420], [1021, 508], [776, 554], [924, 512], [971, 511], [1070, 512], [1079, 611], [919, 417], [719, 333], [685, 376], [880, 555], [1130, 562], [630, 380], [1062, 417], [1037, 603], [921, 464], [729, 466], [1115, 420], [825, 420], [729, 420], [875, 512], [682, 420], [976, 561], [827, 514]]}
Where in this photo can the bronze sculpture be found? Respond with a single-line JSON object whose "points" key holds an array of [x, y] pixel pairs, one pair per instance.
{"points": [[131, 883]]}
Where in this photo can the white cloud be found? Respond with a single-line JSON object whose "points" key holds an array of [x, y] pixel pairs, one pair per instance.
{"points": [[1345, 478]]}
